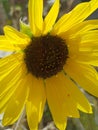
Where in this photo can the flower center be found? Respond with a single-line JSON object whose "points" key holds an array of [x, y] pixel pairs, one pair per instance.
{"points": [[45, 56]]}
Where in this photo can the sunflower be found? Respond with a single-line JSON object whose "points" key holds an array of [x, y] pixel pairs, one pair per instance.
{"points": [[49, 61]]}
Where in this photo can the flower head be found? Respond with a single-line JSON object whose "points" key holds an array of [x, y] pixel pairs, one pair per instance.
{"points": [[49, 59]]}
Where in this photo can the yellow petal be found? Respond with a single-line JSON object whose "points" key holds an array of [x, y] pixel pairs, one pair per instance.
{"points": [[36, 102], [90, 36], [87, 54], [5, 98], [60, 101], [5, 45], [16, 103], [77, 15], [15, 37], [11, 79], [35, 16], [11, 73], [80, 29], [51, 17], [86, 34], [87, 58], [8, 86], [8, 63], [74, 92], [83, 27], [85, 75], [86, 46], [83, 36]]}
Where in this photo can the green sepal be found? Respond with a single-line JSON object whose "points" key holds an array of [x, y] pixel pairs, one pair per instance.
{"points": [[25, 28]]}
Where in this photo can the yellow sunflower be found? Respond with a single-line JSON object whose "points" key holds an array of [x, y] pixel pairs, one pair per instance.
{"points": [[49, 59]]}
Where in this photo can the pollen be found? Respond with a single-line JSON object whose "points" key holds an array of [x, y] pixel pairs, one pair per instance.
{"points": [[45, 56]]}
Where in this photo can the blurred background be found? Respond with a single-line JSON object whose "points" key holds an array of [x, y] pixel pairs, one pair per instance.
{"points": [[11, 11]]}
